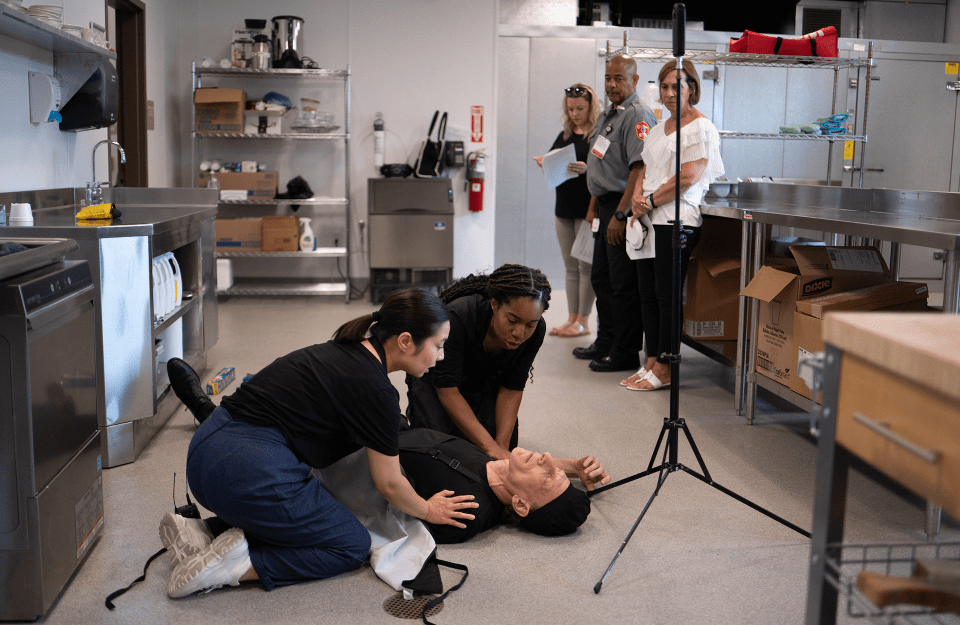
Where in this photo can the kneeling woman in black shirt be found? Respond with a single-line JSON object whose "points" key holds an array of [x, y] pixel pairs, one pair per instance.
{"points": [[496, 330], [250, 460]]}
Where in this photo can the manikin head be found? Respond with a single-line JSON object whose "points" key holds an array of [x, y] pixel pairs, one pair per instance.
{"points": [[541, 494]]}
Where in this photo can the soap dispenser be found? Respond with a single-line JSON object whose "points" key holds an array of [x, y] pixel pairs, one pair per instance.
{"points": [[308, 242]]}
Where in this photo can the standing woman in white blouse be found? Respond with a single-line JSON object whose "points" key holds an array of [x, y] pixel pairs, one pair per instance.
{"points": [[655, 194]]}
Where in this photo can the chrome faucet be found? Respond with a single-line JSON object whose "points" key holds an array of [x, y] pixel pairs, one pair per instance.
{"points": [[94, 192]]}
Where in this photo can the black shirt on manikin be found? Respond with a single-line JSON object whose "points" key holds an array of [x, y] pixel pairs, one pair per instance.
{"points": [[573, 197], [329, 400], [429, 476]]}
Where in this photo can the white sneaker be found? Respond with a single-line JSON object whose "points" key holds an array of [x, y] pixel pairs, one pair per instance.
{"points": [[183, 537], [223, 563]]}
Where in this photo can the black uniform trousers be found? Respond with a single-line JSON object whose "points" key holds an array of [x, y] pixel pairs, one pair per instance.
{"points": [[614, 280]]}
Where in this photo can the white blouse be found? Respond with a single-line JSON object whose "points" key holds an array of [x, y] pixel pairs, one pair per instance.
{"points": [[699, 139]]}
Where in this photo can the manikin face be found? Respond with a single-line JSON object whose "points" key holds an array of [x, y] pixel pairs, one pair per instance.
{"points": [[534, 477], [429, 353], [620, 80], [578, 110], [513, 322]]}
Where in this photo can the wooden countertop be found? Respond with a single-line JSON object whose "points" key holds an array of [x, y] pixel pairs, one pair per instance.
{"points": [[920, 347]]}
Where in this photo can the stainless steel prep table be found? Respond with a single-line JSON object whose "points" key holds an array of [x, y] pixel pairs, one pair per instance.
{"points": [[134, 400], [924, 219]]}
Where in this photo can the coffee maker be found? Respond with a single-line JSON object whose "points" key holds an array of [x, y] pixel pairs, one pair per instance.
{"points": [[287, 35]]}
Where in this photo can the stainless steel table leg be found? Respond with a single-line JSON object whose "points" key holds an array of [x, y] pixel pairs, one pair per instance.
{"points": [[894, 260], [932, 525], [759, 241], [746, 275], [951, 283]]}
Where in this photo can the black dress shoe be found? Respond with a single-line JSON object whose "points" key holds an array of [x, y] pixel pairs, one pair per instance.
{"points": [[186, 386], [592, 352], [608, 364]]}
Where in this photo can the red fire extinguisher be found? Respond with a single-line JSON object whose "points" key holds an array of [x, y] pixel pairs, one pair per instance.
{"points": [[475, 171]]}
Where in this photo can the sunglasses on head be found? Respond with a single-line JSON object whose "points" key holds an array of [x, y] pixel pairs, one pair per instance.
{"points": [[577, 92]]}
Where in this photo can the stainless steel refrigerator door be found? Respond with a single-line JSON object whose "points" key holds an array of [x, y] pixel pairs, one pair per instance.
{"points": [[414, 241]]}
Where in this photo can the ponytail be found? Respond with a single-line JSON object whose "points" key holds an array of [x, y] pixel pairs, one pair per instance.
{"points": [[416, 311]]}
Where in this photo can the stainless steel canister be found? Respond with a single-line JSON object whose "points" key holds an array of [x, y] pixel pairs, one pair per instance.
{"points": [[287, 41], [261, 53]]}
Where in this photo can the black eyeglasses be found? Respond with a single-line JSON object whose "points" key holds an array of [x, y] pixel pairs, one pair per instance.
{"points": [[577, 92]]}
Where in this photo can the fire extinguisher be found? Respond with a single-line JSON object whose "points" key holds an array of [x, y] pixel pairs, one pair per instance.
{"points": [[475, 171]]}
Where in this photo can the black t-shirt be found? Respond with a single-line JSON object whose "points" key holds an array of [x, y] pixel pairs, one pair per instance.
{"points": [[478, 375], [429, 476], [573, 197], [329, 400]]}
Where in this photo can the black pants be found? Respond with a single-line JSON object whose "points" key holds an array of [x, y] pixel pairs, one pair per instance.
{"points": [[655, 283], [615, 282]]}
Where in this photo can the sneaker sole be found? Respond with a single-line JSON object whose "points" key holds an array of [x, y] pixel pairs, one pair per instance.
{"points": [[189, 577], [181, 539]]}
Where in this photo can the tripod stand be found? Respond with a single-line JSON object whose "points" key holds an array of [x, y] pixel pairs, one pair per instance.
{"points": [[673, 424]]}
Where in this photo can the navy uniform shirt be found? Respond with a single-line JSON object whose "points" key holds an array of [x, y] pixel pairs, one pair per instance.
{"points": [[625, 126]]}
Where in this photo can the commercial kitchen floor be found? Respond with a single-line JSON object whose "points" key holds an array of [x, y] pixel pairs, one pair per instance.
{"points": [[699, 556]]}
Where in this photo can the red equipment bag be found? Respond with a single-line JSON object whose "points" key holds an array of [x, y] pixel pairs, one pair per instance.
{"points": [[822, 43]]}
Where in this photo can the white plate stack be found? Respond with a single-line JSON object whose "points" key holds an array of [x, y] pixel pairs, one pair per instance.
{"points": [[71, 30], [49, 13]]}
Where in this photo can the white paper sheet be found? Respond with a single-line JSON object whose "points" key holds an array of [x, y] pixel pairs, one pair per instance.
{"points": [[582, 248], [555, 163]]}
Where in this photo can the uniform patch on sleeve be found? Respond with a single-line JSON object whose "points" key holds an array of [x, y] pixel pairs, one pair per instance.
{"points": [[642, 130]]}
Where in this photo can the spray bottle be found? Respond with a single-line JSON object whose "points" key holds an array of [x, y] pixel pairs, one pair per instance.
{"points": [[308, 242], [378, 142]]}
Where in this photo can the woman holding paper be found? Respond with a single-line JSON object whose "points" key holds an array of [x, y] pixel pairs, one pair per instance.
{"points": [[654, 195], [580, 112]]}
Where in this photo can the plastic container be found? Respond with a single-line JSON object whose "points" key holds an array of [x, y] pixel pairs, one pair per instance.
{"points": [[651, 96], [177, 280], [308, 242], [20, 215]]}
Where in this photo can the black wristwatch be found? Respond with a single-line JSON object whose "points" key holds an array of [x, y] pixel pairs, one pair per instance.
{"points": [[620, 215], [650, 200]]}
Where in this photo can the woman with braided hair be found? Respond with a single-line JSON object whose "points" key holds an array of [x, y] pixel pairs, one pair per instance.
{"points": [[496, 330]]}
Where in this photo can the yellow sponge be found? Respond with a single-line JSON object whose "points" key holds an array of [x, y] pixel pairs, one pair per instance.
{"points": [[99, 211]]}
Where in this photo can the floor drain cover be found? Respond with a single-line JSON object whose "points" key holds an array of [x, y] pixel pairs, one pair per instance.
{"points": [[401, 608]]}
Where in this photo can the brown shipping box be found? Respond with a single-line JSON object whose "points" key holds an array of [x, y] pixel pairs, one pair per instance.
{"points": [[219, 110], [711, 297], [820, 271], [808, 319], [239, 235], [260, 184], [281, 234], [711, 291]]}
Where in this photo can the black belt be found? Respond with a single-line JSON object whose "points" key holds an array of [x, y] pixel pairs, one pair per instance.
{"points": [[609, 197]]}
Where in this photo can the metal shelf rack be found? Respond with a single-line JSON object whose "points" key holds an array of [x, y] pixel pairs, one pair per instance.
{"points": [[277, 286]]}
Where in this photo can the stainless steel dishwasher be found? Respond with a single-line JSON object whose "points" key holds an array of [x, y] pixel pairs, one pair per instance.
{"points": [[51, 488], [411, 234]]}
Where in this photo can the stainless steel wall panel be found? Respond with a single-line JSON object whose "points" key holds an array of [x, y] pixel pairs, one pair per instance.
{"points": [[127, 341]]}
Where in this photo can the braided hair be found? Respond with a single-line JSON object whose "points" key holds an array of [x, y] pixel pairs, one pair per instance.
{"points": [[504, 284]]}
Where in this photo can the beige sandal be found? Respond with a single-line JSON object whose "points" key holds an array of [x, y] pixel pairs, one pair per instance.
{"points": [[572, 330]]}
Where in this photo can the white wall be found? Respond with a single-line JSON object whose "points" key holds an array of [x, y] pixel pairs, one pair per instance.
{"points": [[39, 156]]}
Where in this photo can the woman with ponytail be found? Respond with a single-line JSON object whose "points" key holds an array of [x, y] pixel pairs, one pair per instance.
{"points": [[496, 330], [250, 461]]}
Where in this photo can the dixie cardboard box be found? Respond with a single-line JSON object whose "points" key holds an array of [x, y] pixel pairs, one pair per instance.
{"points": [[239, 235], [808, 320], [259, 184], [820, 271], [219, 110], [711, 298], [281, 234]]}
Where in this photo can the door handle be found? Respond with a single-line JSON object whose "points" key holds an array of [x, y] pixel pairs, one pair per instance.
{"points": [[851, 168]]}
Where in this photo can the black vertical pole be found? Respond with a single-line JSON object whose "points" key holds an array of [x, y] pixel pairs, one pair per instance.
{"points": [[679, 18]]}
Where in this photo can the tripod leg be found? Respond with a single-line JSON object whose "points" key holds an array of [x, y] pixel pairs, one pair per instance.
{"points": [[746, 501], [693, 446], [663, 478], [650, 468]]}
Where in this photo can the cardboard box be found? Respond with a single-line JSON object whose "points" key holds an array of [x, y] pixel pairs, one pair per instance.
{"points": [[270, 122], [820, 271], [219, 382], [711, 299], [281, 234], [258, 185], [808, 320], [239, 235], [219, 110]]}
